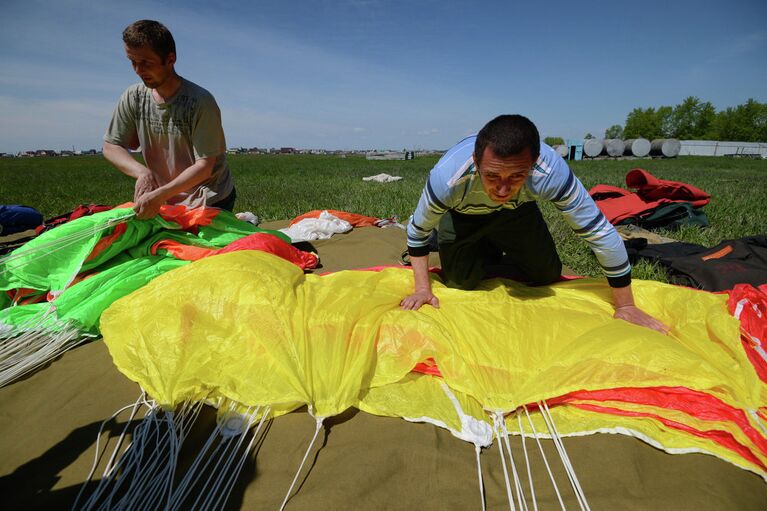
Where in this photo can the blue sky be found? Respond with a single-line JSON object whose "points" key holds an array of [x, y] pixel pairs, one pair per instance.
{"points": [[357, 74]]}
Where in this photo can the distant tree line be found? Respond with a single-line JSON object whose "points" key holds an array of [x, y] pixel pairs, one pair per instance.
{"points": [[693, 119], [552, 141]]}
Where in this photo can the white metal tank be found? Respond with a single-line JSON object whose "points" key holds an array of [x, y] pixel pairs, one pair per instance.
{"points": [[613, 147], [592, 147], [639, 147], [666, 147]]}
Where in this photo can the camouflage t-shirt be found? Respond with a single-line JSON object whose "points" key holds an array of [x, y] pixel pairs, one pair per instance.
{"points": [[173, 135]]}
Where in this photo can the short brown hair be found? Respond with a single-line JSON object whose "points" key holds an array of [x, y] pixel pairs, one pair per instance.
{"points": [[508, 135], [150, 33]]}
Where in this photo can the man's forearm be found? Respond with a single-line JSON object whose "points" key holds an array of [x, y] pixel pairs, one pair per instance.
{"points": [[123, 161], [622, 296], [192, 176], [420, 265]]}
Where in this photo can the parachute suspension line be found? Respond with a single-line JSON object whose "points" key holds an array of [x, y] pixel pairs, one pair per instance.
{"points": [[39, 340], [230, 425], [79, 267], [33, 254], [527, 460], [306, 455], [146, 480], [45, 249], [68, 239], [24, 352], [34, 322], [98, 453], [154, 487], [497, 417], [477, 449], [563, 454], [517, 482], [545, 459], [194, 472], [124, 464], [161, 485], [221, 452], [139, 402], [140, 471], [150, 480], [224, 494]]}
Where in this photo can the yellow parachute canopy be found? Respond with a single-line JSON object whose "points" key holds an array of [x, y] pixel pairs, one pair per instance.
{"points": [[252, 328]]}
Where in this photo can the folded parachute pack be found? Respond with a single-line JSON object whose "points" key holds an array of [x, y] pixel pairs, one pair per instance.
{"points": [[655, 203], [718, 268]]}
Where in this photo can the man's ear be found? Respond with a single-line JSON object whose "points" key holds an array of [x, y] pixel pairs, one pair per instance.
{"points": [[171, 58]]}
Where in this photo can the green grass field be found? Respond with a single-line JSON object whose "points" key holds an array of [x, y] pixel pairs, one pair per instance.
{"points": [[284, 186]]}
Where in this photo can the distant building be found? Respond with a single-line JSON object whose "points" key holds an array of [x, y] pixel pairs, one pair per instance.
{"points": [[287, 150], [574, 149], [390, 155], [723, 148]]}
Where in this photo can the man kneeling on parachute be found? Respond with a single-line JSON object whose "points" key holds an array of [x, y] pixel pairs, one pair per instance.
{"points": [[481, 197]]}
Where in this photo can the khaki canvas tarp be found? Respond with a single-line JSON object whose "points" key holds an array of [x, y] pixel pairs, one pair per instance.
{"points": [[49, 423]]}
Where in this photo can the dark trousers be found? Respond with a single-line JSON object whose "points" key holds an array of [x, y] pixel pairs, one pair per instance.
{"points": [[228, 202], [513, 243]]}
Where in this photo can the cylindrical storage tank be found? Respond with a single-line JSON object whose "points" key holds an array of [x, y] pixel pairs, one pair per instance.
{"points": [[639, 147], [613, 147], [561, 150], [666, 147], [592, 147]]}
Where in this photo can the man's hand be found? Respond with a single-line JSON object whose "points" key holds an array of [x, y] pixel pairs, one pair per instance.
{"points": [[145, 183], [634, 314], [414, 301], [148, 205]]}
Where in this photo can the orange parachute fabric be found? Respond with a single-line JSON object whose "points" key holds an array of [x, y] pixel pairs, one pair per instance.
{"points": [[264, 242], [749, 305], [353, 218]]}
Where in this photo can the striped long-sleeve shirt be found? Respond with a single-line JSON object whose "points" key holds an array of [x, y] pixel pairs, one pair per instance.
{"points": [[455, 184]]}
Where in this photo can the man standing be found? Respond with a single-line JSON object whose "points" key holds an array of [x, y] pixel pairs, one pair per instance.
{"points": [[176, 123], [481, 196]]}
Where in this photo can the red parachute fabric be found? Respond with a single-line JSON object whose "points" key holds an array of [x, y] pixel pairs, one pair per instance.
{"points": [[188, 218], [107, 241], [80, 211], [722, 438], [257, 241], [650, 187], [749, 305], [694, 403], [274, 245], [618, 204]]}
